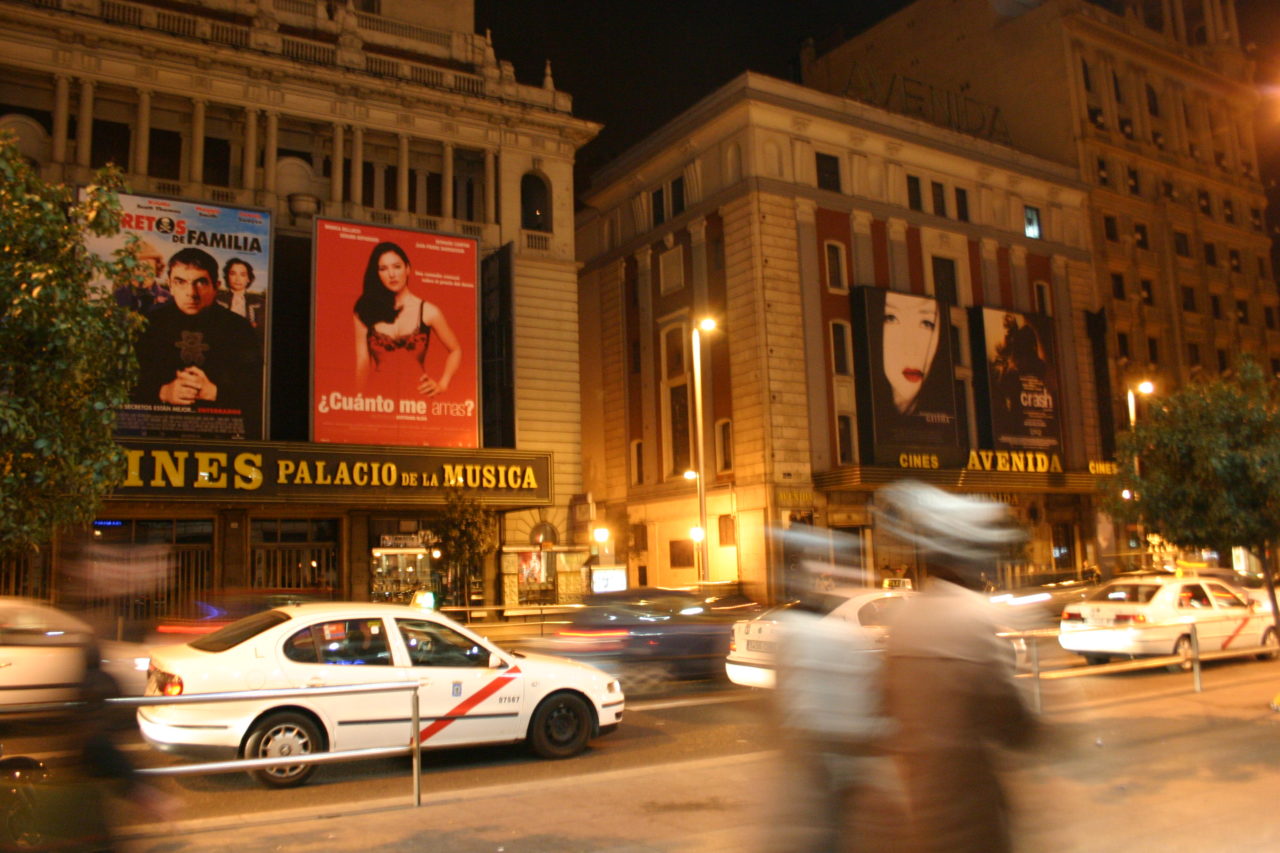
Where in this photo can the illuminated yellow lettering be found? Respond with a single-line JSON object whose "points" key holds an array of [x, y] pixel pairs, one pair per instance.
{"points": [[342, 477], [322, 478], [1019, 461], [488, 476], [284, 470], [1002, 460], [360, 473], [453, 475], [304, 473], [248, 471], [530, 481], [171, 467], [133, 468], [211, 472]]}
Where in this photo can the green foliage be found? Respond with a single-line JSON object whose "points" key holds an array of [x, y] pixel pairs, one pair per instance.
{"points": [[467, 532], [66, 352], [1208, 465]]}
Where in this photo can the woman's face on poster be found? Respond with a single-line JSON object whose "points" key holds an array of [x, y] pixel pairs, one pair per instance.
{"points": [[910, 343], [393, 272], [238, 278]]}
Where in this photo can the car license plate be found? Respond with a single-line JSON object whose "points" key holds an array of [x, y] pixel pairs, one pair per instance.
{"points": [[759, 646]]}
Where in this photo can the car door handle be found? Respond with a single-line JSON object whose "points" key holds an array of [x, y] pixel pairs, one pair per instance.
{"points": [[424, 682], [315, 682]]}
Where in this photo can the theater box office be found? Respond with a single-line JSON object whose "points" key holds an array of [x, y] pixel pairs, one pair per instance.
{"points": [[341, 521]]}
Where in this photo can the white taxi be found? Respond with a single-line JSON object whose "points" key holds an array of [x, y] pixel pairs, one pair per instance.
{"points": [[1151, 614], [752, 651], [470, 691]]}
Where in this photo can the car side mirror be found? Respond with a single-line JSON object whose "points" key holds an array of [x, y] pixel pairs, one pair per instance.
{"points": [[496, 661]]}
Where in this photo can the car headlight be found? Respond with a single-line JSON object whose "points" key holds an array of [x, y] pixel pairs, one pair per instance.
{"points": [[613, 686]]}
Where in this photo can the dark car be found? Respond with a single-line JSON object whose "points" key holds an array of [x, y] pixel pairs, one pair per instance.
{"points": [[649, 637], [207, 613]]}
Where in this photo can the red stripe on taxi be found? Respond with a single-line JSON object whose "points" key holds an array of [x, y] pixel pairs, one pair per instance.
{"points": [[469, 703], [1235, 633]]}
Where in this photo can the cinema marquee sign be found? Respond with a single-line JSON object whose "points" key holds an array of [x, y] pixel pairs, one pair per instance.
{"points": [[273, 471]]}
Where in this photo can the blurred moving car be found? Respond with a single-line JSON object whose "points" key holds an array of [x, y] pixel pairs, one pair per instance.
{"points": [[44, 652], [651, 636], [471, 692], [1042, 603], [1150, 613], [207, 613], [751, 658]]}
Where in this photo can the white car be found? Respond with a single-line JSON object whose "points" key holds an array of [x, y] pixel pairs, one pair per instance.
{"points": [[1151, 614], [755, 641], [470, 691], [43, 655]]}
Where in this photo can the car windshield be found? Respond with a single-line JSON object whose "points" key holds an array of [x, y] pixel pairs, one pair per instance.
{"points": [[1126, 593], [239, 631]]}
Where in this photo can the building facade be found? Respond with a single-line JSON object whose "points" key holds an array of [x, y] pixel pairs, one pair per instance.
{"points": [[1151, 102], [830, 240], [389, 114]]}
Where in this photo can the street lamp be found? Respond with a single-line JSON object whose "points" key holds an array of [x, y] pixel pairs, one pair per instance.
{"points": [[706, 324], [1145, 388]]}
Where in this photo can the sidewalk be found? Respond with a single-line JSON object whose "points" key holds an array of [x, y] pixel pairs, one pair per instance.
{"points": [[1177, 771]]}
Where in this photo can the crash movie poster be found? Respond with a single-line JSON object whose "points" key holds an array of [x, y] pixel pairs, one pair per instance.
{"points": [[395, 349], [1022, 380], [206, 272]]}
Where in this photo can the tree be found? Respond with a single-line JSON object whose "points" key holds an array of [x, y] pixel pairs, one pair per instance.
{"points": [[465, 535], [66, 352], [1203, 469]]}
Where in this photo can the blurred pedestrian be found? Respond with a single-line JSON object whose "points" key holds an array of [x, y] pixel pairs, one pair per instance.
{"points": [[831, 724], [949, 679]]}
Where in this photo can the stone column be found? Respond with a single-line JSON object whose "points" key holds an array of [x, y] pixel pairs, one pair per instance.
{"points": [[84, 124], [195, 169], [864, 263], [249, 162], [380, 186], [271, 152], [490, 187], [650, 427], [899, 268], [357, 164], [335, 165], [402, 175], [142, 133], [421, 181], [61, 117], [446, 182]]}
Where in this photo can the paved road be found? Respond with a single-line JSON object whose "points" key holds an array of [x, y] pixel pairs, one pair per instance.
{"points": [[1130, 762]]}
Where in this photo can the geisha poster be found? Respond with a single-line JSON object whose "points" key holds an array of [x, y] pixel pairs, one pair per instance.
{"points": [[395, 349], [1022, 380]]}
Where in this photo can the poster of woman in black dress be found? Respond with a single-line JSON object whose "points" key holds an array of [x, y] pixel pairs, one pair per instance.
{"points": [[1022, 380]]}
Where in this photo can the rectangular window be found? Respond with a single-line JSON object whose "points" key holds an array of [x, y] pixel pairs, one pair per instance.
{"points": [[1088, 78], [637, 463], [1210, 254], [1193, 354], [677, 196], [1041, 298], [844, 439], [914, 199], [1111, 227], [1255, 218], [962, 204], [1262, 267], [840, 349], [1117, 285], [1215, 306], [1135, 184], [1233, 258], [1188, 298], [681, 552], [1140, 238], [835, 267], [728, 531], [1204, 202], [658, 200], [1269, 317], [939, 198], [1222, 361], [1104, 175], [1122, 344], [1031, 219], [944, 281], [1115, 87], [1166, 189], [1181, 244], [1153, 350], [1275, 367], [678, 429], [1228, 211], [724, 445], [828, 167], [1242, 311], [1148, 291], [1096, 118], [1126, 127]]}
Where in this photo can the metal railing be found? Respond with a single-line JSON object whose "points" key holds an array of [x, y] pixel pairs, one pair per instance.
{"points": [[412, 748], [1192, 661]]}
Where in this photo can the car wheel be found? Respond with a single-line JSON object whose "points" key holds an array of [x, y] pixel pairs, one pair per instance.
{"points": [[639, 679], [1094, 660], [561, 726], [1272, 643], [282, 735], [1183, 648]]}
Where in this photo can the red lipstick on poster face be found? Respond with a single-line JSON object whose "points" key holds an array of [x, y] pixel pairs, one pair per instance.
{"points": [[912, 375]]}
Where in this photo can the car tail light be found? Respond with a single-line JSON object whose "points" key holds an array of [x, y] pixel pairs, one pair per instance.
{"points": [[1130, 618], [733, 645], [164, 683], [1069, 616], [588, 640]]}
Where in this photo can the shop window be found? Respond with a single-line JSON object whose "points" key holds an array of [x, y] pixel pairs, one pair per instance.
{"points": [[294, 553], [535, 575]]}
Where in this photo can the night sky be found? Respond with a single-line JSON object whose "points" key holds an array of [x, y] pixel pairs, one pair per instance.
{"points": [[633, 65]]}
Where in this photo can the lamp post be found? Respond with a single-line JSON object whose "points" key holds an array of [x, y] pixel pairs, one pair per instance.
{"points": [[1145, 388], [707, 324]]}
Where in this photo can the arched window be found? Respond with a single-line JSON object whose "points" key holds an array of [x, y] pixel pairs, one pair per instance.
{"points": [[535, 203]]}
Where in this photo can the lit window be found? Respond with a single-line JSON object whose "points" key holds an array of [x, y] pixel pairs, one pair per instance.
{"points": [[1031, 218]]}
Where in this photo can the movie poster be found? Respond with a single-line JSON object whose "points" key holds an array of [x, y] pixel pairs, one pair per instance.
{"points": [[395, 337], [1022, 380], [906, 380], [201, 356]]}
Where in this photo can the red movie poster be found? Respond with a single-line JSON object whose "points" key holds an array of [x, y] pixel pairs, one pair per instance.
{"points": [[395, 350]]}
